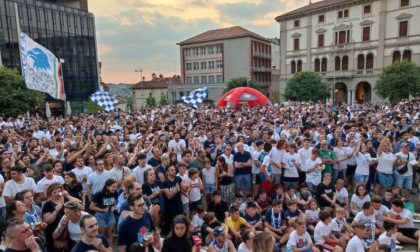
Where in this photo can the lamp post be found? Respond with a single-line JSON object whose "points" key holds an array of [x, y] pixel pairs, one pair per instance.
{"points": [[62, 61], [141, 84]]}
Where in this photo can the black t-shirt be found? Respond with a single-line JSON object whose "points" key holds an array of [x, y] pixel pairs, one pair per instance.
{"points": [[104, 200], [176, 244], [49, 207], [323, 189], [174, 203], [83, 247], [67, 167], [218, 209], [38, 241], [130, 228], [149, 189], [75, 190], [213, 225]]}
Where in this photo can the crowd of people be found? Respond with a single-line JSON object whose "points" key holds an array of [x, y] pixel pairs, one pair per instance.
{"points": [[306, 176]]}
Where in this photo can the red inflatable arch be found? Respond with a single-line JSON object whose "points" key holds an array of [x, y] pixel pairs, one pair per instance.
{"points": [[242, 95]]}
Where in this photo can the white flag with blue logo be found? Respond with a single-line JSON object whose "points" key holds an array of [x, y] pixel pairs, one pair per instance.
{"points": [[105, 100], [40, 68], [196, 97]]}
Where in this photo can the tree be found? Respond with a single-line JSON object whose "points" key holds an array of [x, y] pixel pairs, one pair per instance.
{"points": [[93, 108], [241, 82], [398, 81], [163, 100], [306, 86], [150, 101], [16, 98]]}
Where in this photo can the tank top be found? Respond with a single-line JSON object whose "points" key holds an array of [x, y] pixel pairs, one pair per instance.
{"points": [[224, 248]]}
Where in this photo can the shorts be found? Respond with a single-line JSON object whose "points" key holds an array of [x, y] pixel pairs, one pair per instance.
{"points": [[409, 232], [311, 187], [256, 179], [361, 178], [243, 179], [327, 246], [209, 188], [276, 178], [194, 204], [384, 179], [105, 219], [403, 181]]}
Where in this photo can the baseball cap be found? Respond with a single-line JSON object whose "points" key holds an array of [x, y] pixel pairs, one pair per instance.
{"points": [[259, 142], [197, 241], [218, 231]]}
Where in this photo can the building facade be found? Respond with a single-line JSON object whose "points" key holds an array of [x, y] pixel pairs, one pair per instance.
{"points": [[349, 42], [212, 58], [67, 29]]}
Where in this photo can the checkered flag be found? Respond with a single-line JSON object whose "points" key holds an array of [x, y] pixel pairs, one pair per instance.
{"points": [[105, 100], [196, 97]]}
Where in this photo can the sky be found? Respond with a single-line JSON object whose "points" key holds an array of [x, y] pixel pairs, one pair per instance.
{"points": [[143, 34]]}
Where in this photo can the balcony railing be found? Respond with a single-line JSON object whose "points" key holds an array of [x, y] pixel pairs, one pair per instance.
{"points": [[262, 55]]}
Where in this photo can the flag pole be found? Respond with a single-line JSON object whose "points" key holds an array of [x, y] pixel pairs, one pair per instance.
{"points": [[18, 33]]}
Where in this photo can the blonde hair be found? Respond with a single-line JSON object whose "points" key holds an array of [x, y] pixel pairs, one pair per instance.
{"points": [[340, 210], [73, 205], [263, 242]]}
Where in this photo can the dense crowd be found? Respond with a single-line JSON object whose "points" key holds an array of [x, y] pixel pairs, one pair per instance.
{"points": [[306, 176]]}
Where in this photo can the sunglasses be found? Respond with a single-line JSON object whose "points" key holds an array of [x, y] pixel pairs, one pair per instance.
{"points": [[179, 220]]}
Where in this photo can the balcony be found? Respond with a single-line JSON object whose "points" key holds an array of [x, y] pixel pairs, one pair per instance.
{"points": [[261, 69], [264, 83], [349, 73], [261, 55]]}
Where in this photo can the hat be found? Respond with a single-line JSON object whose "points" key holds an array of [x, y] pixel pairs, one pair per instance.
{"points": [[218, 231], [197, 241], [259, 142], [404, 144]]}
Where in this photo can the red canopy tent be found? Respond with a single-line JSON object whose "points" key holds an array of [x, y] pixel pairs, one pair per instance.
{"points": [[242, 95]]}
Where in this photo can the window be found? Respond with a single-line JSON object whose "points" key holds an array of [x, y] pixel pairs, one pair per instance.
{"points": [[343, 14], [342, 37], [320, 40], [299, 66], [337, 63], [211, 64], [366, 34], [367, 9], [297, 23], [189, 80], [403, 28], [324, 63], [202, 51], [296, 44], [219, 49], [219, 64], [189, 66], [369, 61], [361, 62], [345, 64], [196, 79], [317, 65], [321, 19], [405, 3], [203, 65], [293, 63], [210, 50], [407, 55], [196, 66], [211, 79], [195, 52], [396, 56], [203, 80], [187, 52], [219, 79]]}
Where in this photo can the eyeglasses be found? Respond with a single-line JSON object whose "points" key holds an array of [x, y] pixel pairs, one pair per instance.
{"points": [[228, 149], [140, 205]]}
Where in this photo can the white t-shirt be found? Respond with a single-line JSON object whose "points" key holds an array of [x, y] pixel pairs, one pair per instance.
{"points": [[340, 154], [305, 154], [242, 248], [386, 162], [80, 173], [404, 214], [315, 176], [209, 175], [2, 202], [276, 156], [359, 202], [383, 210], [342, 195], [337, 225], [195, 189], [352, 159], [403, 157], [12, 188], [184, 178], [356, 244], [390, 241], [290, 165], [313, 215], [97, 180], [74, 228], [321, 229], [299, 241], [254, 156], [178, 144], [40, 186], [362, 161], [363, 219], [197, 221], [138, 173], [118, 174]]}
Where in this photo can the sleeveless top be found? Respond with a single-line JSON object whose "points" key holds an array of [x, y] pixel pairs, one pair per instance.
{"points": [[224, 248]]}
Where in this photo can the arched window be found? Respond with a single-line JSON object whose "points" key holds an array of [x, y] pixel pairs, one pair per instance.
{"points": [[299, 66], [293, 67], [324, 65], [337, 63], [345, 64], [361, 62], [317, 65], [396, 56], [407, 55], [369, 61]]}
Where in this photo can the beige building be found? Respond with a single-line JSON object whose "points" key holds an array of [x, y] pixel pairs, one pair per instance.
{"points": [[349, 42], [157, 87], [212, 58]]}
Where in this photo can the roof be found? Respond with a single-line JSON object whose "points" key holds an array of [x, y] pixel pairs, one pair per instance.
{"points": [[225, 33], [312, 6], [158, 83]]}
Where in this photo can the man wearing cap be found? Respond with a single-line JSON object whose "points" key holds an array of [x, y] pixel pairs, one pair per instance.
{"points": [[220, 243]]}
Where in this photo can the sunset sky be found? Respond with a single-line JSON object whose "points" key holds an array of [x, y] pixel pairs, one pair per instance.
{"points": [[143, 33]]}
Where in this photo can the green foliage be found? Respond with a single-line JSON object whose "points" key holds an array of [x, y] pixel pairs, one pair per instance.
{"points": [[163, 100], [130, 102], [151, 101], [398, 81], [93, 108], [241, 82], [16, 98], [306, 86]]}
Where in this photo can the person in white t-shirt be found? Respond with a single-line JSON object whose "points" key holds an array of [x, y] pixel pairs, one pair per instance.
{"points": [[324, 238], [300, 239], [2, 202], [17, 183], [389, 236], [82, 172], [246, 245], [367, 218], [256, 166], [138, 171], [48, 179], [313, 168], [379, 212], [358, 199], [357, 244]]}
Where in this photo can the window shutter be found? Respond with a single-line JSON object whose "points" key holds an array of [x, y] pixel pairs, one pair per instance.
{"points": [[320, 40], [361, 62], [369, 61], [324, 65], [337, 63], [317, 65], [407, 55], [403, 28], [345, 64], [366, 33], [396, 56]]}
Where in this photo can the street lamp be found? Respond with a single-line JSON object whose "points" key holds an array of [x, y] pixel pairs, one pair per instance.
{"points": [[141, 84]]}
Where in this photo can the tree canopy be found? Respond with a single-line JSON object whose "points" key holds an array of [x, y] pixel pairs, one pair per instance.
{"points": [[241, 82], [16, 98], [306, 86], [398, 81]]}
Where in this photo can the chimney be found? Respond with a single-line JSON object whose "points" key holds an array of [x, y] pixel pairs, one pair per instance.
{"points": [[154, 76]]}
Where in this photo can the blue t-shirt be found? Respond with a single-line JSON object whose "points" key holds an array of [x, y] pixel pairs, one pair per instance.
{"points": [[149, 189], [153, 162], [130, 228], [291, 215], [252, 220], [274, 219], [83, 247], [174, 203], [38, 241], [242, 158]]}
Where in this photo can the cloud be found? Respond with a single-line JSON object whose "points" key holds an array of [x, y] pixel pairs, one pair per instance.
{"points": [[143, 33]]}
